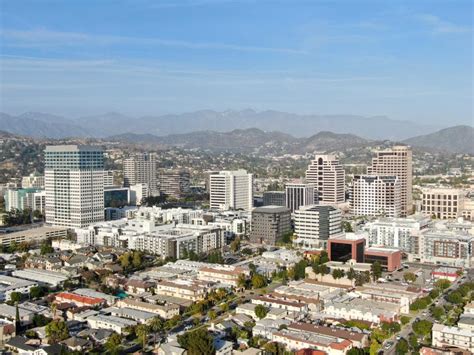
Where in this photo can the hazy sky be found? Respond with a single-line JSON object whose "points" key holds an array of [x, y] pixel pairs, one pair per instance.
{"points": [[404, 59]]}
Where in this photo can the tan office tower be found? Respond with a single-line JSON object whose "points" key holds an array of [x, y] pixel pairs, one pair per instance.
{"points": [[141, 169], [328, 176], [396, 161]]}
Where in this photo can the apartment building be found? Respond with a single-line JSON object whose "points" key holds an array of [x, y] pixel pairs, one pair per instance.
{"points": [[315, 224], [269, 224], [376, 195], [25, 198], [401, 233], [298, 336], [13, 284], [328, 176], [117, 324], [223, 275], [164, 311], [174, 183], [78, 300], [74, 183], [192, 290], [449, 248], [231, 190], [33, 235], [299, 194], [365, 310], [141, 169], [442, 203], [396, 161], [446, 336]]}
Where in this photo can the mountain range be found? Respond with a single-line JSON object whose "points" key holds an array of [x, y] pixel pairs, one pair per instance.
{"points": [[51, 126]]}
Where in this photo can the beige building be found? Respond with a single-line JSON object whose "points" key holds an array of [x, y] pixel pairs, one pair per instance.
{"points": [[187, 289], [33, 235], [164, 311], [328, 176], [396, 161], [442, 203], [445, 336], [376, 195], [223, 275]]}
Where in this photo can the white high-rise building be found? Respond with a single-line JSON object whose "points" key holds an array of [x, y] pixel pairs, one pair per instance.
{"points": [[231, 190], [74, 182], [396, 161], [299, 194], [315, 224], [376, 195], [328, 176], [141, 169]]}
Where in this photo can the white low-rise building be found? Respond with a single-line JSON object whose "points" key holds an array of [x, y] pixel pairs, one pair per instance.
{"points": [[116, 324], [444, 336], [42, 277], [13, 284]]}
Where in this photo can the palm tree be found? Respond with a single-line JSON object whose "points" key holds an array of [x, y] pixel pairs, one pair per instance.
{"points": [[142, 333], [156, 326]]}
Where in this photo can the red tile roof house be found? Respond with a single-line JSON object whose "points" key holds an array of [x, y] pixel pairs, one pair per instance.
{"points": [[79, 301]]}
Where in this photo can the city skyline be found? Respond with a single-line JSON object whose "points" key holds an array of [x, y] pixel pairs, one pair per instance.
{"points": [[402, 60]]}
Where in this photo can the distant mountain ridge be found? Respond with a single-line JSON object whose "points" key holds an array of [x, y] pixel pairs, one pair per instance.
{"points": [[112, 123], [457, 139]]}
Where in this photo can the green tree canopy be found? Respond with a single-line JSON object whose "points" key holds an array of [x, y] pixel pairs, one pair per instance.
{"points": [[261, 311], [57, 330]]}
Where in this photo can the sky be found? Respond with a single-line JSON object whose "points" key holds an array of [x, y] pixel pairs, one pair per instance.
{"points": [[407, 60]]}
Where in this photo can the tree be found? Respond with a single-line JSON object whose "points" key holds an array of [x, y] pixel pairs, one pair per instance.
{"points": [[125, 260], [36, 292], [46, 247], [376, 270], [442, 284], [156, 325], [390, 328], [224, 307], [437, 312], [409, 277], [356, 351], [434, 293], [351, 274], [300, 270], [113, 343], [258, 281], [212, 314], [137, 259], [347, 226], [338, 274], [242, 281], [197, 342], [413, 340], [142, 333], [454, 297], [422, 327], [15, 297], [235, 245], [401, 347], [56, 331], [405, 320], [261, 311], [274, 348]]}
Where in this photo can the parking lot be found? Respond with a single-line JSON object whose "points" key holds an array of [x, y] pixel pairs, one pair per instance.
{"points": [[423, 273]]}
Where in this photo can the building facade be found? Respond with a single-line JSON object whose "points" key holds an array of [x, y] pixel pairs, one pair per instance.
{"points": [[299, 194], [315, 224], [328, 176], [442, 203], [274, 198], [141, 169], [231, 190], [376, 195], [34, 181], [74, 182], [396, 161], [174, 183], [269, 224]]}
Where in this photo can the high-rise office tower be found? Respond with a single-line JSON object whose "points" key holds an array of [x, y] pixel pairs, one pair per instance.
{"points": [[396, 161], [74, 182], [299, 194], [231, 190], [376, 195], [315, 224], [328, 176], [274, 198], [174, 183], [141, 169]]}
